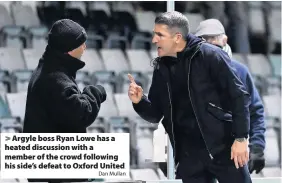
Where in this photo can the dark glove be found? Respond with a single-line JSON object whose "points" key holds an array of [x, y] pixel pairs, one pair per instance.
{"points": [[102, 92], [257, 160]]}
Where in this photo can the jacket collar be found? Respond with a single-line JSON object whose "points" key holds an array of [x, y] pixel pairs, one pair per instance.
{"points": [[189, 49], [55, 58], [192, 42]]}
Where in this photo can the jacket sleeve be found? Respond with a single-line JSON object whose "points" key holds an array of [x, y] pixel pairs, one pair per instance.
{"points": [[78, 109], [149, 107], [227, 80], [257, 121]]}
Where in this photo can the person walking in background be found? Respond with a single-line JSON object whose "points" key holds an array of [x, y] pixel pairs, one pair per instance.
{"points": [[204, 105], [54, 102], [233, 14], [213, 32]]}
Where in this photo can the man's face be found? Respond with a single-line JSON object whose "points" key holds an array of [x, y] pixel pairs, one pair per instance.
{"points": [[78, 52], [164, 40]]}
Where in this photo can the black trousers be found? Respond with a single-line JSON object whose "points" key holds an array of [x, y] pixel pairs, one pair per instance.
{"points": [[197, 167]]}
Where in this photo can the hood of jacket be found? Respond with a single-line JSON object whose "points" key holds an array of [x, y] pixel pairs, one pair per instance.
{"points": [[191, 45]]}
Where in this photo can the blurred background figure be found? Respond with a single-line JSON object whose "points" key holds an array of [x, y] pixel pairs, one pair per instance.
{"points": [[119, 41], [214, 33]]}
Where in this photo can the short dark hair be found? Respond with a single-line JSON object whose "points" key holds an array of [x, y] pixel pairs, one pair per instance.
{"points": [[174, 20]]}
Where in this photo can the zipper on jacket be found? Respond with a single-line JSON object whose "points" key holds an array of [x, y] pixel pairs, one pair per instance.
{"points": [[174, 150], [193, 106], [213, 105]]}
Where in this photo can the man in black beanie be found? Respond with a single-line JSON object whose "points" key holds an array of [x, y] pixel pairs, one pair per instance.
{"points": [[54, 102]]}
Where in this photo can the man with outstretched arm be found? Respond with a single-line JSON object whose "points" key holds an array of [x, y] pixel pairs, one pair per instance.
{"points": [[204, 105]]}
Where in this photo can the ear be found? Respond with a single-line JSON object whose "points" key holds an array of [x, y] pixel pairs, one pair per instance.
{"points": [[225, 38], [178, 37]]}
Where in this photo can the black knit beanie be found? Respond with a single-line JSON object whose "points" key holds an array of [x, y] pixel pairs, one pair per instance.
{"points": [[66, 35]]}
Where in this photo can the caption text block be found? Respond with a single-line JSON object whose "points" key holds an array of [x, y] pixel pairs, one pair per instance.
{"points": [[88, 155]]}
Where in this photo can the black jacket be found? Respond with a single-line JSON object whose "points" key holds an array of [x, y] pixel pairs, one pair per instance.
{"points": [[219, 99], [54, 102]]}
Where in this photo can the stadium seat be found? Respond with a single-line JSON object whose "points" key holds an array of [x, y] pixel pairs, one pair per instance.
{"points": [[100, 5], [10, 125], [98, 126], [145, 20], [99, 21], [37, 37], [107, 79], [94, 41], [32, 4], [6, 18], [5, 82], [24, 16], [76, 15], [50, 14], [83, 79], [93, 62], [259, 65], [272, 152], [4, 108], [272, 104], [77, 4], [32, 57], [270, 172], [13, 36], [161, 174], [139, 60], [7, 5], [261, 84], [273, 85], [275, 18], [114, 60], [115, 41], [122, 82], [124, 105], [276, 64], [123, 6], [145, 146], [123, 22], [122, 124], [194, 20], [256, 21], [22, 78], [254, 4], [240, 58], [11, 59], [17, 102], [141, 42], [144, 174], [119, 124], [108, 108]]}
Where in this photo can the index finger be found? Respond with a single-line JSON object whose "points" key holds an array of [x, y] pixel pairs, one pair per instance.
{"points": [[131, 79], [236, 162]]}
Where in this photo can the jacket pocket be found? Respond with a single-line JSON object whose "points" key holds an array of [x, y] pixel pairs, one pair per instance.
{"points": [[219, 113]]}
